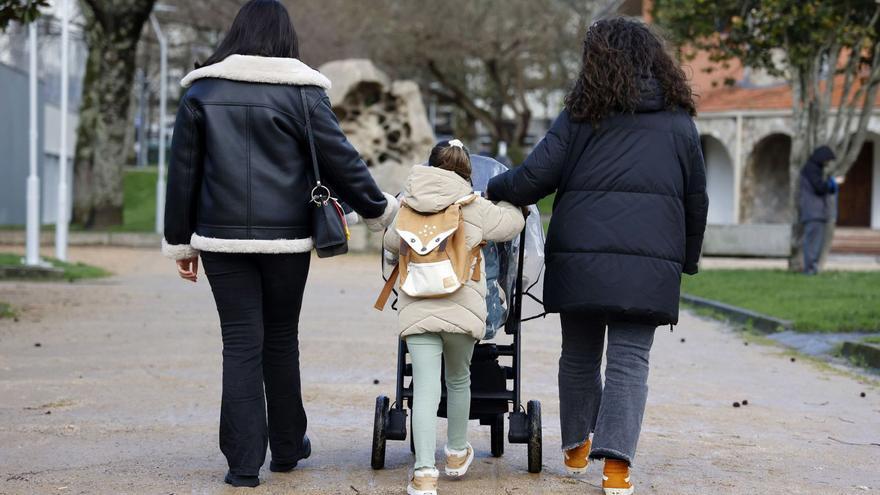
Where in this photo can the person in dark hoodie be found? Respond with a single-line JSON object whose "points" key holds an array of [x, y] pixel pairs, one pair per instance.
{"points": [[815, 189], [625, 161]]}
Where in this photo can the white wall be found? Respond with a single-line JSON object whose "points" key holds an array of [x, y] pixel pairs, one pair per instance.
{"points": [[720, 182]]}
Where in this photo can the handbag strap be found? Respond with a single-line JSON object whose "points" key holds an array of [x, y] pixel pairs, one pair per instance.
{"points": [[311, 139]]}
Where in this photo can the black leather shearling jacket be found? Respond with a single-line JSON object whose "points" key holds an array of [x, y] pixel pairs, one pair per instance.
{"points": [[240, 174]]}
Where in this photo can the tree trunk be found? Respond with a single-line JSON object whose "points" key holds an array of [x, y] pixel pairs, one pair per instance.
{"points": [[113, 30], [807, 129]]}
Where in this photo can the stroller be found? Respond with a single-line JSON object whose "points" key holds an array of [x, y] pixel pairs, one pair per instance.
{"points": [[491, 398]]}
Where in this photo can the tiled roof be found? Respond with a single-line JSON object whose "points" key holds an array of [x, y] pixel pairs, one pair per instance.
{"points": [[715, 96]]}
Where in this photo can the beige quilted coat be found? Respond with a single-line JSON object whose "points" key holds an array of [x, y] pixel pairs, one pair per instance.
{"points": [[430, 190]]}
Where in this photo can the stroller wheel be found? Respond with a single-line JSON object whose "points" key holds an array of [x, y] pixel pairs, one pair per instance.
{"points": [[379, 425], [497, 430], [535, 437]]}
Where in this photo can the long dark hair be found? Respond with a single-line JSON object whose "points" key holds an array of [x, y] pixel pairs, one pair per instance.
{"points": [[261, 27], [618, 54]]}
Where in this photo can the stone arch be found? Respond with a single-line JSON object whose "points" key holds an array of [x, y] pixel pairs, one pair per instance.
{"points": [[765, 183], [719, 180]]}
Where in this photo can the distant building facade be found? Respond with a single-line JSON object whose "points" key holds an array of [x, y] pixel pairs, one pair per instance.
{"points": [[14, 109]]}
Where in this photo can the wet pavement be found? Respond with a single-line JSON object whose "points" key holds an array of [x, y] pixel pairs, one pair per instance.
{"points": [[121, 397]]}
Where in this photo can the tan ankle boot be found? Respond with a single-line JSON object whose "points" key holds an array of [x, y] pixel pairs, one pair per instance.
{"points": [[615, 478], [577, 459]]}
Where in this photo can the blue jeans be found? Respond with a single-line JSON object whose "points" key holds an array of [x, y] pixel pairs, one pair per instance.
{"points": [[613, 411]]}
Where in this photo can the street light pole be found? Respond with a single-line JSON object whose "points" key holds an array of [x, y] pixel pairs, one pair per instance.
{"points": [[32, 256], [61, 223], [163, 104]]}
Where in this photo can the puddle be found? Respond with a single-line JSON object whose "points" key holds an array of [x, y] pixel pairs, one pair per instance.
{"points": [[816, 344]]}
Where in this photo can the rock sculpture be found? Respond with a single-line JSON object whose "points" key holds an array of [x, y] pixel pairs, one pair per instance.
{"points": [[385, 120]]}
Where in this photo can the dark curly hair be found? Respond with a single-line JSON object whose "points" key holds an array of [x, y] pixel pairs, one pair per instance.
{"points": [[618, 54]]}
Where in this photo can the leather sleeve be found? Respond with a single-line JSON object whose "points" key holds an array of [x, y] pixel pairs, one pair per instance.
{"points": [[696, 203], [341, 165], [540, 173], [184, 182]]}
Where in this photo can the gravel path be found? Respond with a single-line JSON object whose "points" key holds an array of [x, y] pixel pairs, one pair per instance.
{"points": [[122, 393]]}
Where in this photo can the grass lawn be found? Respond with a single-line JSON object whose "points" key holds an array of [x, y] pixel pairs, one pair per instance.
{"points": [[545, 206], [829, 302], [6, 310], [139, 212], [72, 271]]}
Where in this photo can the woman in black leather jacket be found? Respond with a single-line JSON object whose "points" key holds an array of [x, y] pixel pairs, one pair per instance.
{"points": [[238, 196]]}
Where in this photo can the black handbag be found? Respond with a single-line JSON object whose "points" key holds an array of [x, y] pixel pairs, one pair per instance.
{"points": [[329, 228]]}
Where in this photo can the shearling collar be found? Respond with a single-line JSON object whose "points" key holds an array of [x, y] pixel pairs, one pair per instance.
{"points": [[250, 68]]}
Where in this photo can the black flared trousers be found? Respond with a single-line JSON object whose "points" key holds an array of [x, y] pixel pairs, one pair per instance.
{"points": [[259, 297]]}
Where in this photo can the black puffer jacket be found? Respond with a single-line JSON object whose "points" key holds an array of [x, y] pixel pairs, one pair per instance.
{"points": [[241, 174], [815, 188], [629, 214]]}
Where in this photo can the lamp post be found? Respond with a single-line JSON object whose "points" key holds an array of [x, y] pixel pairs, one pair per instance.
{"points": [[32, 256], [163, 103], [61, 223]]}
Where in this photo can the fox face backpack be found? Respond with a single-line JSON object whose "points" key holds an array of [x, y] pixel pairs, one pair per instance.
{"points": [[434, 258]]}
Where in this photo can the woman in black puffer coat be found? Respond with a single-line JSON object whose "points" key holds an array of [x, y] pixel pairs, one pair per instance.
{"points": [[625, 162]]}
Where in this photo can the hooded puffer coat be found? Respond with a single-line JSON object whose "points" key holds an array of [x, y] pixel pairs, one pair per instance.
{"points": [[629, 214], [431, 190]]}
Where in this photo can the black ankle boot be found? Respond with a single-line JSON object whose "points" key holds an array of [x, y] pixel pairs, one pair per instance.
{"points": [[242, 481], [284, 467]]}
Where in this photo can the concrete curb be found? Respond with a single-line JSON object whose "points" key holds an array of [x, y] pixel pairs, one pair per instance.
{"points": [[362, 240], [761, 322], [9, 272], [868, 353], [121, 239]]}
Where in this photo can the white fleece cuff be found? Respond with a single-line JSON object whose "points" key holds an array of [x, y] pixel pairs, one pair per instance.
{"points": [[178, 251], [274, 246], [380, 223], [352, 218]]}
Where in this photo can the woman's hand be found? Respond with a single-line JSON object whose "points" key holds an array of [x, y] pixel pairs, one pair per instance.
{"points": [[188, 269]]}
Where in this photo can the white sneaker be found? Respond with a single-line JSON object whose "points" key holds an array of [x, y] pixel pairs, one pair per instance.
{"points": [[423, 482], [458, 461]]}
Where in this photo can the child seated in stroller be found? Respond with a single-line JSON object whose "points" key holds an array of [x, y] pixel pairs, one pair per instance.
{"points": [[438, 235]]}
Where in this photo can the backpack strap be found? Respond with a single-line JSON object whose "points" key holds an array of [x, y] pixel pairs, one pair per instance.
{"points": [[477, 254], [382, 300]]}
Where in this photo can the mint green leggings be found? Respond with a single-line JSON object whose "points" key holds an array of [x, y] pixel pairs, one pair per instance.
{"points": [[426, 350]]}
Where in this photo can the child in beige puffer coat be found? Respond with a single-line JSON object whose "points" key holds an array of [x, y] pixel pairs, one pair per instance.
{"points": [[448, 326]]}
